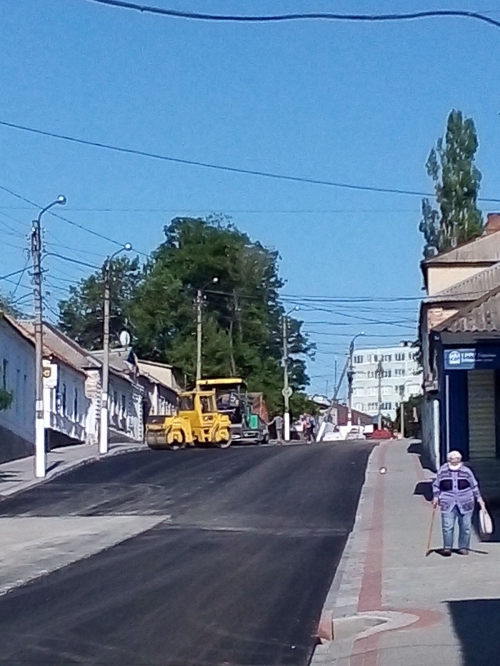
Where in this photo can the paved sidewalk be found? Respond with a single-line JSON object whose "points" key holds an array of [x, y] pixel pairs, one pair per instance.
{"points": [[391, 604], [17, 475]]}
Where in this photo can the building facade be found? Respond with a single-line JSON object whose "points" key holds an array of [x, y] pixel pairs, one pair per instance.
{"points": [[401, 378], [460, 340], [17, 375]]}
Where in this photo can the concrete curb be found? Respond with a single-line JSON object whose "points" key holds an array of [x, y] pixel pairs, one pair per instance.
{"points": [[64, 468], [343, 596]]}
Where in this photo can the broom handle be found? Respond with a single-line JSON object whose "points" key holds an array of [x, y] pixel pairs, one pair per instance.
{"points": [[431, 527]]}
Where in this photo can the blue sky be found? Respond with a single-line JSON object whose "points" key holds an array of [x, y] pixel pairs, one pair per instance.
{"points": [[344, 102]]}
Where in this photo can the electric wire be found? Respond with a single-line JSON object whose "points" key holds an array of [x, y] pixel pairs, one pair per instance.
{"points": [[301, 16], [214, 166]]}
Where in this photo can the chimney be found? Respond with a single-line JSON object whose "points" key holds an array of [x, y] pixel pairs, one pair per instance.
{"points": [[492, 223]]}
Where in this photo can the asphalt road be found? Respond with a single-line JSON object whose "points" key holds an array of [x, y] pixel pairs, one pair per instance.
{"points": [[238, 551]]}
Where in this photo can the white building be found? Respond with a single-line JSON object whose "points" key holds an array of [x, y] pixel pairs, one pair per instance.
{"points": [[156, 387], [72, 393], [161, 386], [401, 378], [70, 411], [17, 375]]}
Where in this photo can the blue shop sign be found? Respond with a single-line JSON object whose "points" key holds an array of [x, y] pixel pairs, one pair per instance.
{"points": [[481, 358]]}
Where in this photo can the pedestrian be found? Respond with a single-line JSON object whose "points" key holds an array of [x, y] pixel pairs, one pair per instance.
{"points": [[278, 426], [310, 428], [456, 491], [305, 427]]}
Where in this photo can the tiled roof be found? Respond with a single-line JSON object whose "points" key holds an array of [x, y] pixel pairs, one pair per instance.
{"points": [[56, 343], [472, 288], [482, 316], [483, 249]]}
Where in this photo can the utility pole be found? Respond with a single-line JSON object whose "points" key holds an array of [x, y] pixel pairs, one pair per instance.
{"points": [[286, 391], [328, 412], [104, 421], [199, 297], [286, 388], [379, 373], [402, 407], [36, 251], [199, 330], [350, 377]]}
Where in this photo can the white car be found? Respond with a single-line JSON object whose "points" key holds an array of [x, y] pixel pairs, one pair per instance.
{"points": [[356, 432]]}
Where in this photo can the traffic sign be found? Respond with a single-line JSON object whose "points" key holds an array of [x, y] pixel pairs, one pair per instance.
{"points": [[287, 392]]}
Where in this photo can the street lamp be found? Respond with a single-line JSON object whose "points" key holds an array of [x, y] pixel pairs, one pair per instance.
{"points": [[199, 303], [103, 439], [36, 251], [401, 405], [287, 390], [350, 376]]}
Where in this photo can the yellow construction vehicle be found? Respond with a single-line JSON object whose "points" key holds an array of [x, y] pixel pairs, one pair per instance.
{"points": [[247, 411], [196, 422]]}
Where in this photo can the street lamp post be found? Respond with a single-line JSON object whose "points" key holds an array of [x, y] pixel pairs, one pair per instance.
{"points": [[350, 377], [36, 251], [287, 391], [402, 408], [199, 323], [104, 422]]}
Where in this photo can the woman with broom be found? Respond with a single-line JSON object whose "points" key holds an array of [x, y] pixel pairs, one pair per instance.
{"points": [[456, 490]]}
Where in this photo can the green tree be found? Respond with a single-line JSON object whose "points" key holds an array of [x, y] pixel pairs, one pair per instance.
{"points": [[457, 180], [81, 315], [242, 316]]}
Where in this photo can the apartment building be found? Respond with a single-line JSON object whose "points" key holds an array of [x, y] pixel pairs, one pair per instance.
{"points": [[401, 376]]}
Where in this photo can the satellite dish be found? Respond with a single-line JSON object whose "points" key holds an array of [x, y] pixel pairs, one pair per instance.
{"points": [[124, 338]]}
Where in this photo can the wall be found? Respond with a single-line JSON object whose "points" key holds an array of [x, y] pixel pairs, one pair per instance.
{"points": [[17, 424], [442, 277], [125, 410], [160, 399], [66, 405]]}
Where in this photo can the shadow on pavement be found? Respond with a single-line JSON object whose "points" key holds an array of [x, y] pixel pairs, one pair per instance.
{"points": [[476, 624], [424, 488], [418, 449], [54, 465], [7, 476]]}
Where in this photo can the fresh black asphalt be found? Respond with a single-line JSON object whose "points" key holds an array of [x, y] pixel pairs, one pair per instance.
{"points": [[235, 575]]}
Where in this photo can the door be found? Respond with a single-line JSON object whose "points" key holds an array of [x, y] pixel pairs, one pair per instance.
{"points": [[481, 393]]}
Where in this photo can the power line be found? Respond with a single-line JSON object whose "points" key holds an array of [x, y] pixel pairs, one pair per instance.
{"points": [[234, 211], [70, 259], [9, 275], [22, 274], [217, 167], [301, 16], [213, 166], [65, 219]]}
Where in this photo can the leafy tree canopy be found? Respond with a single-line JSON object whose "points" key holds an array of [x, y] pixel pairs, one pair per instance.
{"points": [[457, 180], [242, 316]]}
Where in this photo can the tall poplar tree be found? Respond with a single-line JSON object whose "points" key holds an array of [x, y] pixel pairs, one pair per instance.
{"points": [[451, 164]]}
